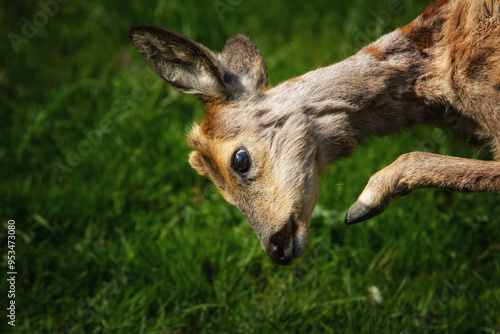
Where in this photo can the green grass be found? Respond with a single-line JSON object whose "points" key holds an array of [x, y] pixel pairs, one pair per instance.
{"points": [[129, 239]]}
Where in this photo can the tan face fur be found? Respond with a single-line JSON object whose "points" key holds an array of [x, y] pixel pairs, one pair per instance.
{"points": [[279, 191]]}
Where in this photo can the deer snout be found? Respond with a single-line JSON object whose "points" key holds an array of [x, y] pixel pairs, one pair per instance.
{"points": [[281, 247]]}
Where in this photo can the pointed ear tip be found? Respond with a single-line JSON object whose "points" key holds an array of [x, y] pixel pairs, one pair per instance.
{"points": [[153, 30], [241, 41], [240, 37], [135, 30], [136, 27], [143, 27]]}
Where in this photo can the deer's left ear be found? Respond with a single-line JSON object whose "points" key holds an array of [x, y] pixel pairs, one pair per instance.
{"points": [[186, 65], [243, 64]]}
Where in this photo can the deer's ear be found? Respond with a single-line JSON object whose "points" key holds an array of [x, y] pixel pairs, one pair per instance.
{"points": [[197, 162], [242, 62], [186, 65]]}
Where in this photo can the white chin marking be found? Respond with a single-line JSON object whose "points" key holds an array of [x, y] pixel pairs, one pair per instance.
{"points": [[300, 243]]}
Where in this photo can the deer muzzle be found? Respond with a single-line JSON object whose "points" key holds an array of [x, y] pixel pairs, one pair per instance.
{"points": [[281, 243]]}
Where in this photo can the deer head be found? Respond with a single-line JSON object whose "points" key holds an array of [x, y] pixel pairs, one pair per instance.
{"points": [[254, 144]]}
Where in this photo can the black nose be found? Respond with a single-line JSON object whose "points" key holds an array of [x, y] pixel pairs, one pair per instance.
{"points": [[281, 243]]}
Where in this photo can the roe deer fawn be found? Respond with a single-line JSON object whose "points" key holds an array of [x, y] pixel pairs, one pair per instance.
{"points": [[265, 147]]}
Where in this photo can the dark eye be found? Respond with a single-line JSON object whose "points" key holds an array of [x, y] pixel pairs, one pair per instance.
{"points": [[241, 161]]}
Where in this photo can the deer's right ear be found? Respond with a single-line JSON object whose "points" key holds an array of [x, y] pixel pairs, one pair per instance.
{"points": [[242, 62], [186, 65]]}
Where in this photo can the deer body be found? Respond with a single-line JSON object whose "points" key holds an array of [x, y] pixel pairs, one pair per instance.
{"points": [[265, 147]]}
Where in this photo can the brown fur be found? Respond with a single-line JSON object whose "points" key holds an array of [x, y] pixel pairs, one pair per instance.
{"points": [[376, 52], [443, 69], [421, 31]]}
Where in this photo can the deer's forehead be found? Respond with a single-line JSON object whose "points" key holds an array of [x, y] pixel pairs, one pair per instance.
{"points": [[258, 127], [227, 120]]}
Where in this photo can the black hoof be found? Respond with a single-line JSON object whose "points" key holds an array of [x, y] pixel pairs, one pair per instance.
{"points": [[359, 212]]}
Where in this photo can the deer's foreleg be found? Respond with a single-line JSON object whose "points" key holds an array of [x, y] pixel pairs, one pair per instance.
{"points": [[423, 170]]}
